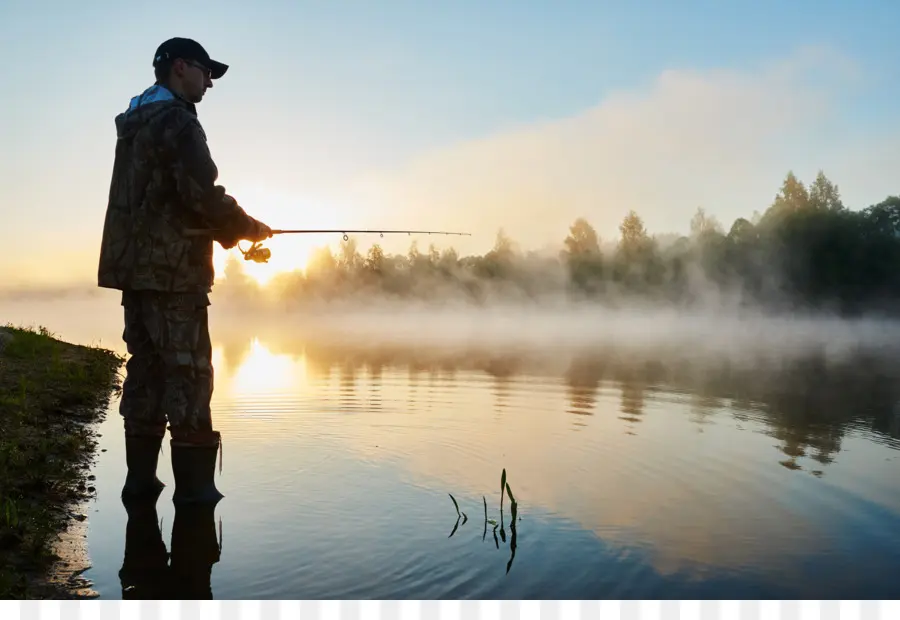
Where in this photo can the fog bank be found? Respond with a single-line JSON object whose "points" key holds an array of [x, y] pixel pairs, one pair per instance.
{"points": [[638, 330], [542, 328]]}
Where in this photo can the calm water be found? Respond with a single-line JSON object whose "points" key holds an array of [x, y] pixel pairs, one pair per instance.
{"points": [[636, 474]]}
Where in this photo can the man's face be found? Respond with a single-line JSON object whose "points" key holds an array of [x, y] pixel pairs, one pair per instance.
{"points": [[195, 80]]}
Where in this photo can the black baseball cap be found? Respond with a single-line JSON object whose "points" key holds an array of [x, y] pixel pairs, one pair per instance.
{"points": [[188, 49]]}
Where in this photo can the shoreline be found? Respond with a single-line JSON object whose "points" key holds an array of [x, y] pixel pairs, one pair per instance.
{"points": [[53, 394]]}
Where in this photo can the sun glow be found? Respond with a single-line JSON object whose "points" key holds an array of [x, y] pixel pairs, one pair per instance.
{"points": [[262, 372], [281, 210], [287, 255]]}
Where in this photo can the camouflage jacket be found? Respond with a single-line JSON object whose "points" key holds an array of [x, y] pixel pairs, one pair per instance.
{"points": [[163, 181]]}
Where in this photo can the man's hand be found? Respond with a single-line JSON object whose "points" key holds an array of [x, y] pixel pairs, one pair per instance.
{"points": [[259, 232]]}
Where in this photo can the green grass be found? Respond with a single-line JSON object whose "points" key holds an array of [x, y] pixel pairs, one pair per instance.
{"points": [[50, 393]]}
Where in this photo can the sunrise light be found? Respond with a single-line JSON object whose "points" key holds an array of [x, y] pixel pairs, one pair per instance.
{"points": [[281, 209]]}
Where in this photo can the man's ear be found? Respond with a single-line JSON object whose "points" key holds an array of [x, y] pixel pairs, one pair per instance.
{"points": [[178, 67]]}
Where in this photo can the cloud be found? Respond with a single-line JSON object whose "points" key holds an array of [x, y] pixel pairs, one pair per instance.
{"points": [[722, 139]]}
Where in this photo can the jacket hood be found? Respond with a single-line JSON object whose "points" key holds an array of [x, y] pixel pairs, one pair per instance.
{"points": [[144, 107]]}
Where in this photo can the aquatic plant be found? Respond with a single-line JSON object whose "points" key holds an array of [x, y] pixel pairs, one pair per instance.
{"points": [[514, 510]]}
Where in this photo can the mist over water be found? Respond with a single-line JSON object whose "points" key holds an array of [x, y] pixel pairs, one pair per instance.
{"points": [[549, 326], [652, 452], [741, 336]]}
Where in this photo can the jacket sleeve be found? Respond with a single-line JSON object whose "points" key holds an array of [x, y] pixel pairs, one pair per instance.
{"points": [[195, 174]]}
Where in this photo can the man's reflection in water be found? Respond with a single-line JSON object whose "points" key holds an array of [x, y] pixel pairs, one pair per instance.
{"points": [[150, 572]]}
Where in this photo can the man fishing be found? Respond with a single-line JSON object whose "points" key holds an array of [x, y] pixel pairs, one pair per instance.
{"points": [[164, 182]]}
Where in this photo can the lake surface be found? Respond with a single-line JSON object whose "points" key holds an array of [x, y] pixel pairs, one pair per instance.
{"points": [[638, 473]]}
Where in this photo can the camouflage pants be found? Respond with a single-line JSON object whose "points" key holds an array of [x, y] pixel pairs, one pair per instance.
{"points": [[169, 375]]}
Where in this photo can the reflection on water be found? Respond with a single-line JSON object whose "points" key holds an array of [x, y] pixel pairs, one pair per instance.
{"points": [[150, 571], [807, 403], [637, 472]]}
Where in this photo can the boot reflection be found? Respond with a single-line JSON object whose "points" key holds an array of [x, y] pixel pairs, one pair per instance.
{"points": [[150, 572], [145, 569], [195, 548]]}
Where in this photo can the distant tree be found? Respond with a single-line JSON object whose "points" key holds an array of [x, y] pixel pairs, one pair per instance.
{"points": [[793, 197], [582, 240], [634, 235], [582, 257], [498, 263], [636, 264], [742, 232], [504, 247], [375, 259], [885, 216], [350, 260], [413, 254], [419, 263], [824, 195], [449, 260], [703, 224], [434, 256]]}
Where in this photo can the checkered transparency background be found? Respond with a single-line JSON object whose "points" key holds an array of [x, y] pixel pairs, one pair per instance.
{"points": [[449, 610]]}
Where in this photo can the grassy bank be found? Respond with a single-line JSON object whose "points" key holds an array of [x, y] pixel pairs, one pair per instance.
{"points": [[50, 394]]}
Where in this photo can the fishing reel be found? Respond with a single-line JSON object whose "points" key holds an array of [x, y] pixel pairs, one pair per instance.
{"points": [[256, 253]]}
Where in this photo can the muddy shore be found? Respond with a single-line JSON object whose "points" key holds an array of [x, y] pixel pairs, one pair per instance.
{"points": [[52, 395]]}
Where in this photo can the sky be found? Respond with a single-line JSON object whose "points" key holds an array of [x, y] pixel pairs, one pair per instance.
{"points": [[466, 116]]}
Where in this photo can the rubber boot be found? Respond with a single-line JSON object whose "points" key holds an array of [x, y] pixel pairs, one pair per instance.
{"points": [[142, 457], [194, 468], [195, 548], [145, 570]]}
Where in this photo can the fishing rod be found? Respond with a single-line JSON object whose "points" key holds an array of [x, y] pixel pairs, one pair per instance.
{"points": [[258, 254]]}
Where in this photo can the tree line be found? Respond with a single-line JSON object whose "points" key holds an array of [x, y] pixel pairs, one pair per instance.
{"points": [[806, 251]]}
